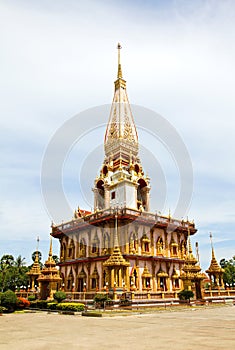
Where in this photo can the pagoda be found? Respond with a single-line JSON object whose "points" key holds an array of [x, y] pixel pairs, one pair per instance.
{"points": [[35, 270], [214, 271], [191, 273], [121, 243], [49, 279]]}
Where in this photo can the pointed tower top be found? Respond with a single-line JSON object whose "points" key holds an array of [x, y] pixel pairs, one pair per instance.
{"points": [[190, 250], [119, 74], [121, 129], [50, 250], [214, 266], [36, 255], [212, 249]]}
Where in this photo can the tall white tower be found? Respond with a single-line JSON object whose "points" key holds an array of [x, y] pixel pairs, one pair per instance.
{"points": [[122, 181]]}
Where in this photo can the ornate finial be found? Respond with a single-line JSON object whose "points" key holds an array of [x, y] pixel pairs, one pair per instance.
{"points": [[190, 250], [116, 230], [36, 255], [211, 240], [120, 165], [212, 247], [197, 252], [119, 75], [37, 242], [50, 251]]}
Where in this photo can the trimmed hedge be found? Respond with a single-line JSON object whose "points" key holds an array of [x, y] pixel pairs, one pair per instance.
{"points": [[52, 305], [70, 307], [39, 304]]}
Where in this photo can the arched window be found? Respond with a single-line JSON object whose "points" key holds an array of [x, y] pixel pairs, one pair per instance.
{"points": [[82, 248], [133, 243], [95, 245], [141, 194], [71, 250], [105, 170], [160, 246], [100, 194], [70, 281], [106, 243], [145, 244], [174, 248], [183, 249], [63, 252]]}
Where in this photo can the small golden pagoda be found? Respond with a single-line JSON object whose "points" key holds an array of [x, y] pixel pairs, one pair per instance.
{"points": [[146, 278], [215, 272], [49, 280], [116, 265], [35, 270], [191, 275]]}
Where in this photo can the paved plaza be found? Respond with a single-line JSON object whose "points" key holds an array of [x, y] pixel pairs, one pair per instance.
{"points": [[192, 328]]}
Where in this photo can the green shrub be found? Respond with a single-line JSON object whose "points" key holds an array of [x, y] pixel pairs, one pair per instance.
{"points": [[2, 309], [101, 298], [52, 305], [32, 297], [185, 294], [70, 307], [59, 296], [9, 300]]}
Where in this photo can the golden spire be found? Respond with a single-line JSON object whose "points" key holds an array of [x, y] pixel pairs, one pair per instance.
{"points": [[36, 256], [214, 266], [121, 126], [197, 252], [50, 250], [119, 74], [116, 230], [212, 248], [120, 82], [190, 250], [116, 258]]}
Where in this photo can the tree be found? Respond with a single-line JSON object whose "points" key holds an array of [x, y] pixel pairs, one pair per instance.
{"points": [[6, 263], [12, 273], [229, 271]]}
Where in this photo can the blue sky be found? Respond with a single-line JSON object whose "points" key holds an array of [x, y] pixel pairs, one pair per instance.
{"points": [[59, 59]]}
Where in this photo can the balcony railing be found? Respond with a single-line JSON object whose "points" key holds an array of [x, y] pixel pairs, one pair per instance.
{"points": [[159, 219]]}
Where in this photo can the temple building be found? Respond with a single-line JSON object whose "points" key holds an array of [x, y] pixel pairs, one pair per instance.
{"points": [[122, 244]]}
